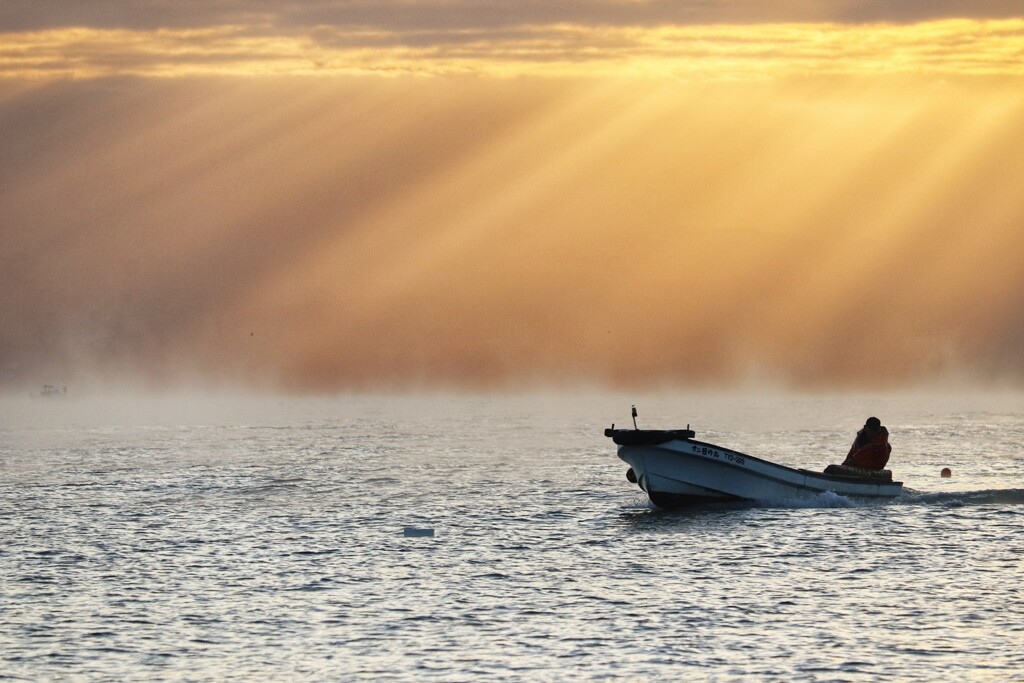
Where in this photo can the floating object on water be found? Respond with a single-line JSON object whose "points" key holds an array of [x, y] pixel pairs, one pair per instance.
{"points": [[946, 473], [414, 532]]}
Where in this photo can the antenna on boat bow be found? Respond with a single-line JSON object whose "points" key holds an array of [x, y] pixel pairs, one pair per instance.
{"points": [[634, 418]]}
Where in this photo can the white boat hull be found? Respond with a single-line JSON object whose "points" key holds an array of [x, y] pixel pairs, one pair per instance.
{"points": [[685, 472]]}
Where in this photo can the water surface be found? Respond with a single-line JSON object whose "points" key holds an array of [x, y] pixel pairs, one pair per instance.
{"points": [[232, 538]]}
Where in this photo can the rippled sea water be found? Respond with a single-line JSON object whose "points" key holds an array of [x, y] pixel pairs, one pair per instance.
{"points": [[232, 538]]}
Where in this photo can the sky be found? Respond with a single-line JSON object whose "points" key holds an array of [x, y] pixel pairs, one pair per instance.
{"points": [[331, 195]]}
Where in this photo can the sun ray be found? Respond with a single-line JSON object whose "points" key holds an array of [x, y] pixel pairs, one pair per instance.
{"points": [[680, 203]]}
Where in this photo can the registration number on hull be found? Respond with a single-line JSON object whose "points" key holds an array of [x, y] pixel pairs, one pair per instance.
{"points": [[719, 455]]}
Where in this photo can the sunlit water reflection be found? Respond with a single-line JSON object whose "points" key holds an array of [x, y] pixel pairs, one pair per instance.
{"points": [[219, 539]]}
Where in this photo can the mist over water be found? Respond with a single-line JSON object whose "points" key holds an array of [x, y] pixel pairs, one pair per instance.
{"points": [[235, 537]]}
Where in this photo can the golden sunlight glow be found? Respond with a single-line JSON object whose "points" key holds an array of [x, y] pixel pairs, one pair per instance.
{"points": [[808, 203], [714, 52], [644, 234]]}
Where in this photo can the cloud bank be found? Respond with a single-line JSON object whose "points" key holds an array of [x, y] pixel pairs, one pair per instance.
{"points": [[408, 16], [705, 52]]}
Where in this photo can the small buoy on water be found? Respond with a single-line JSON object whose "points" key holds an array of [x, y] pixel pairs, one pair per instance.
{"points": [[946, 473], [631, 476], [414, 532]]}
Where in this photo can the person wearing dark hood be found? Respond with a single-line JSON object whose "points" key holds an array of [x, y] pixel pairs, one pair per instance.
{"points": [[871, 449]]}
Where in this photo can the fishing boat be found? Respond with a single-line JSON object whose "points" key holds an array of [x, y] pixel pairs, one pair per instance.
{"points": [[676, 470]]}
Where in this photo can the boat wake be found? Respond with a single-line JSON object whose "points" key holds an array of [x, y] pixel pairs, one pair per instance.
{"points": [[830, 499], [963, 498], [826, 499]]}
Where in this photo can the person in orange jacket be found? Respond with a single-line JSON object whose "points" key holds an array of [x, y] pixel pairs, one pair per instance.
{"points": [[871, 448]]}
